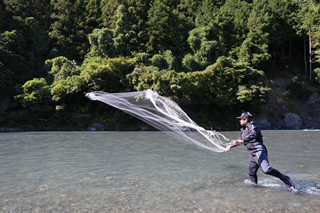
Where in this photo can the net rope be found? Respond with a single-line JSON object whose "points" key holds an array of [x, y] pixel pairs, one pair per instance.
{"points": [[163, 114]]}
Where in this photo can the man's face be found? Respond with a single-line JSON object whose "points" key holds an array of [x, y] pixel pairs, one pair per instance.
{"points": [[243, 121]]}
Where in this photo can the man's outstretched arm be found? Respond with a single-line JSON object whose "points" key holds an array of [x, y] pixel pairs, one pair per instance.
{"points": [[236, 143]]}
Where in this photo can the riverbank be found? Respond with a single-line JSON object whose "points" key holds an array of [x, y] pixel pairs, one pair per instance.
{"points": [[292, 104]]}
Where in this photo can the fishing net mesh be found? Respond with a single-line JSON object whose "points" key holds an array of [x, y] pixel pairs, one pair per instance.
{"points": [[163, 114]]}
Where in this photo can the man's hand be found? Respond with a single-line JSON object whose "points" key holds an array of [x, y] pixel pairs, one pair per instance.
{"points": [[238, 142], [227, 148]]}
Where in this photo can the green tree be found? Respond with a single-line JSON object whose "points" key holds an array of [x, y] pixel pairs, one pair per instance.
{"points": [[67, 82], [233, 18], [129, 16], [121, 41], [167, 28], [281, 29], [64, 81], [60, 90], [206, 13], [92, 14], [309, 25], [107, 74], [22, 53], [137, 11], [254, 49], [39, 9], [73, 20], [188, 8], [36, 95], [207, 45], [225, 83], [102, 43], [159, 26], [221, 28], [161, 61], [108, 9]]}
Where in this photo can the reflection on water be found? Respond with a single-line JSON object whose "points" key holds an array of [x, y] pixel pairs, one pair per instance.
{"points": [[152, 172]]}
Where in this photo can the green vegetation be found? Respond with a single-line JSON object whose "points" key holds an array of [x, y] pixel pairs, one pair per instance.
{"points": [[214, 58]]}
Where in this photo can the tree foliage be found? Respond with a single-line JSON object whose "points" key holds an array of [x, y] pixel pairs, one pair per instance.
{"points": [[225, 83], [36, 95], [207, 45], [67, 82], [167, 28], [207, 53], [21, 53], [72, 21], [38, 9], [120, 41]]}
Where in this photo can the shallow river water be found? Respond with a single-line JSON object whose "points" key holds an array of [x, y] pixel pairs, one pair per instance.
{"points": [[152, 172]]}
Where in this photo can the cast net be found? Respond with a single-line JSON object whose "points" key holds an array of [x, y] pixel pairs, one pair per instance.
{"points": [[163, 114]]}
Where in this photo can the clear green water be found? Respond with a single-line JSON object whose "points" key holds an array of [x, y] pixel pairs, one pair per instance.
{"points": [[152, 172]]}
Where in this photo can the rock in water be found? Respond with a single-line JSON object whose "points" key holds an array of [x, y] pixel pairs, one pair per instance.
{"points": [[97, 125], [91, 129]]}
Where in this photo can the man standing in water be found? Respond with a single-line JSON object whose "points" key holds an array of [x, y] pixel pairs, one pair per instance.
{"points": [[251, 137]]}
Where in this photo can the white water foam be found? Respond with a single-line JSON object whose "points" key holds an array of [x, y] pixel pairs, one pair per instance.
{"points": [[304, 183]]}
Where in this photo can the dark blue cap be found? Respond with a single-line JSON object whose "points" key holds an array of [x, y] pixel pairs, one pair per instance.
{"points": [[245, 115]]}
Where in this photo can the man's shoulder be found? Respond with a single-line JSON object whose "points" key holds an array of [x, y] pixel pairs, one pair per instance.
{"points": [[253, 125]]}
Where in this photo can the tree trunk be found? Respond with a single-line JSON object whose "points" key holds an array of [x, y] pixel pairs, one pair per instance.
{"points": [[310, 61], [305, 57]]}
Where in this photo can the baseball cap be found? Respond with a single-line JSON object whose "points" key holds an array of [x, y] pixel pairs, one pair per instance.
{"points": [[245, 115]]}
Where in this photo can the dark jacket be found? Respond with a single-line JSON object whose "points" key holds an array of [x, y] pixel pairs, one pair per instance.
{"points": [[252, 137]]}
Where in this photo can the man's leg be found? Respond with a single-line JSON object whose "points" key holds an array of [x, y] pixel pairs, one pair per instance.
{"points": [[253, 169], [267, 169]]}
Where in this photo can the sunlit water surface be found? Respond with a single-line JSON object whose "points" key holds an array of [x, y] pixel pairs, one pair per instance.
{"points": [[152, 172]]}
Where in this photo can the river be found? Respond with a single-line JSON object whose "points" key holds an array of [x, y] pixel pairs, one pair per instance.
{"points": [[152, 172]]}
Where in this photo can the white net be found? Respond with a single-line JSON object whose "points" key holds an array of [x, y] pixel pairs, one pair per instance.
{"points": [[163, 114]]}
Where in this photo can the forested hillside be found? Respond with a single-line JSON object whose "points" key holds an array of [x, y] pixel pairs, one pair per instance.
{"points": [[215, 58]]}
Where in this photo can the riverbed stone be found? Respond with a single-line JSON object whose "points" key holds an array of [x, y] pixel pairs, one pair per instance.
{"points": [[218, 128], [292, 121], [14, 129], [91, 129], [97, 125], [144, 128]]}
